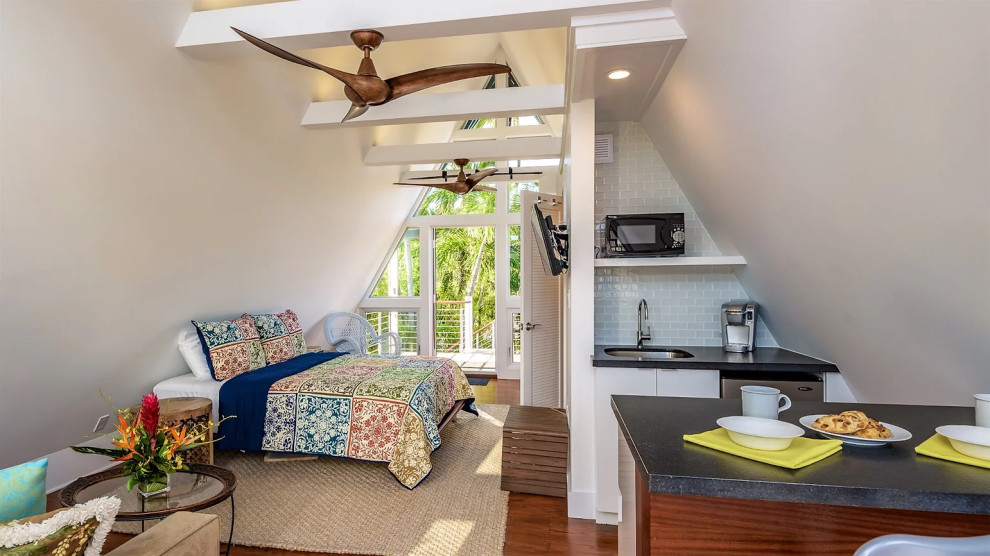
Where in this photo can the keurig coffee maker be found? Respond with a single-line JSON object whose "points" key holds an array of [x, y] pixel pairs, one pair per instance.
{"points": [[738, 325]]}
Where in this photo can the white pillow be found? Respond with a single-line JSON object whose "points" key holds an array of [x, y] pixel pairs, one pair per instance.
{"points": [[191, 349]]}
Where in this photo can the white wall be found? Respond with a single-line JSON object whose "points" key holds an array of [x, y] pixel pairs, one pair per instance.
{"points": [[843, 148], [579, 313], [141, 188]]}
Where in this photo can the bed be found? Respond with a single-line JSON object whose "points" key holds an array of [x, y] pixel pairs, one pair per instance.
{"points": [[369, 407]]}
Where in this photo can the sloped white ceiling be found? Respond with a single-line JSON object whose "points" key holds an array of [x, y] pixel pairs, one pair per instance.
{"points": [[844, 148]]}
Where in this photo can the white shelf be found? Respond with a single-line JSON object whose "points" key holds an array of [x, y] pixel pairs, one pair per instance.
{"points": [[733, 260]]}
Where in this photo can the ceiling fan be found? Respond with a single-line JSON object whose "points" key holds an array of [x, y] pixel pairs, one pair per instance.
{"points": [[465, 183], [365, 88]]}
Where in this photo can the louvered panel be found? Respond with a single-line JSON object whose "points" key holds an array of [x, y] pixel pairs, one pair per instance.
{"points": [[603, 148], [545, 363]]}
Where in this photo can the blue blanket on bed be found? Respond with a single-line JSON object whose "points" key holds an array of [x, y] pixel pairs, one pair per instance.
{"points": [[245, 397]]}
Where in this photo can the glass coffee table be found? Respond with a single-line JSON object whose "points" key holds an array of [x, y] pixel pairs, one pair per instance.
{"points": [[202, 486]]}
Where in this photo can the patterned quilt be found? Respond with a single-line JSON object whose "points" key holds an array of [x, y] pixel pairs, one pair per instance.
{"points": [[368, 407]]}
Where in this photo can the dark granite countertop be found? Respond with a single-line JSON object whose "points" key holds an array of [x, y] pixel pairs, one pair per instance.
{"points": [[891, 476], [707, 357]]}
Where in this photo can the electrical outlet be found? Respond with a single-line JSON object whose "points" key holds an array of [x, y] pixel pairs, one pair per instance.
{"points": [[100, 423]]}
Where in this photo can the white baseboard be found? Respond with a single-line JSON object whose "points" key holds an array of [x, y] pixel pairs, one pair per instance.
{"points": [[510, 374], [65, 466], [607, 518], [581, 505]]}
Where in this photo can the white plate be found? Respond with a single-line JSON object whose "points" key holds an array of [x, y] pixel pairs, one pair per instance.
{"points": [[967, 439], [897, 434]]}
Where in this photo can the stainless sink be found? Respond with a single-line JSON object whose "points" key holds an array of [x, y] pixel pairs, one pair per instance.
{"points": [[648, 353]]}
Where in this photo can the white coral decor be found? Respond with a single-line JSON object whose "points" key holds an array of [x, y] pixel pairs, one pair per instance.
{"points": [[105, 510]]}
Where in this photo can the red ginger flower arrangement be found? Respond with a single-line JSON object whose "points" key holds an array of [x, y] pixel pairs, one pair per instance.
{"points": [[150, 412], [149, 450]]}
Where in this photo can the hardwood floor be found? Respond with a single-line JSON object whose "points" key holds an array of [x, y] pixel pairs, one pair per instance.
{"points": [[498, 391], [536, 525]]}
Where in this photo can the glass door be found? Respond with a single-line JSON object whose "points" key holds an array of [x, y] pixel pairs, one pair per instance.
{"points": [[464, 290]]}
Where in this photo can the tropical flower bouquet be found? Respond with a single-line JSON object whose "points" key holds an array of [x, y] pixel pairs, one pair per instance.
{"points": [[149, 450]]}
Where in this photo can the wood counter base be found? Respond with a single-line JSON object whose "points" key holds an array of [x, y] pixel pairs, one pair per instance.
{"points": [[680, 524]]}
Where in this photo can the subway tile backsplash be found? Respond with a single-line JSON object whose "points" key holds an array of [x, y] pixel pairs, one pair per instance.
{"points": [[685, 303]]}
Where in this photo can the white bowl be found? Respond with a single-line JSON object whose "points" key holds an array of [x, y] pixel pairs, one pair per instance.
{"points": [[967, 439], [759, 433]]}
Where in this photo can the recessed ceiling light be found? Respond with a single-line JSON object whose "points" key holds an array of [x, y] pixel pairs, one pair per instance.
{"points": [[618, 74]]}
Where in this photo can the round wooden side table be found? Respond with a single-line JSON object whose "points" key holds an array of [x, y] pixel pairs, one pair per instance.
{"points": [[189, 412]]}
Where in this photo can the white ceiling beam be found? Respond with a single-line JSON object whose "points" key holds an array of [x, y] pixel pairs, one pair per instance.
{"points": [[303, 24], [433, 153], [501, 132], [626, 28], [443, 107]]}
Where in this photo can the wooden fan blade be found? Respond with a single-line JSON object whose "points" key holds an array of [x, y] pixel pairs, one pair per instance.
{"points": [[348, 79], [459, 188], [418, 80], [483, 188], [354, 111], [480, 175]]}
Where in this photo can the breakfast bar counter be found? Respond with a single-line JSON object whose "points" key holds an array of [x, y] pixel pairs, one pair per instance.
{"points": [[681, 498]]}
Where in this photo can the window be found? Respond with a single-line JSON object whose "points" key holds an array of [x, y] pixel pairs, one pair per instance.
{"points": [[525, 121], [515, 198], [515, 256], [441, 201], [516, 337], [401, 275]]}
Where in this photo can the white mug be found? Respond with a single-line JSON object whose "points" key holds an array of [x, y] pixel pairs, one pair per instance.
{"points": [[982, 410], [763, 401]]}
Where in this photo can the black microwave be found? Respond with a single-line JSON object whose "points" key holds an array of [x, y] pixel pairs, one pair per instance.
{"points": [[643, 235]]}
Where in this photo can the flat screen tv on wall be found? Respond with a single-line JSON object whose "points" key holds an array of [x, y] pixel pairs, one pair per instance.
{"points": [[551, 241]]}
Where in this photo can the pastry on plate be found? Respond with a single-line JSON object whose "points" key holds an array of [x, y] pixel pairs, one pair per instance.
{"points": [[875, 430], [847, 422]]}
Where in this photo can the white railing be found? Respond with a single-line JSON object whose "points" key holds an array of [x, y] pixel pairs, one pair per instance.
{"points": [[449, 325], [454, 332]]}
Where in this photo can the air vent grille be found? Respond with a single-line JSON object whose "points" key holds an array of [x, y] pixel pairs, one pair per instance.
{"points": [[603, 148]]}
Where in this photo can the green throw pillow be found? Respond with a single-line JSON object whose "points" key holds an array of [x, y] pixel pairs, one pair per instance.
{"points": [[22, 490]]}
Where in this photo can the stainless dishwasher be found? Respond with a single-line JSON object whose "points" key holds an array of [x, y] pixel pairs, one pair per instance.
{"points": [[799, 387]]}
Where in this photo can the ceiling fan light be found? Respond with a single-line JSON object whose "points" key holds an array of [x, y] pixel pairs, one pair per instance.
{"points": [[619, 73]]}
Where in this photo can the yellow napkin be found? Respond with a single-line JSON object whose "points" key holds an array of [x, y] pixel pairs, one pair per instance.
{"points": [[939, 447], [802, 451]]}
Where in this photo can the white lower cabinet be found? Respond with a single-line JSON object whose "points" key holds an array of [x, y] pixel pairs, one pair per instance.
{"points": [[688, 383], [609, 381]]}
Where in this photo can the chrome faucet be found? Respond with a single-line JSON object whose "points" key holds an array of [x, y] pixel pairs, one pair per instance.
{"points": [[643, 310]]}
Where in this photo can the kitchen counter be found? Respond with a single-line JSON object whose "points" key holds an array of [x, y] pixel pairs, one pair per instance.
{"points": [[767, 359], [881, 490], [892, 476]]}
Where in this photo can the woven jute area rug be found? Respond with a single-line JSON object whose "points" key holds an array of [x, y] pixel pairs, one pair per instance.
{"points": [[354, 507]]}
